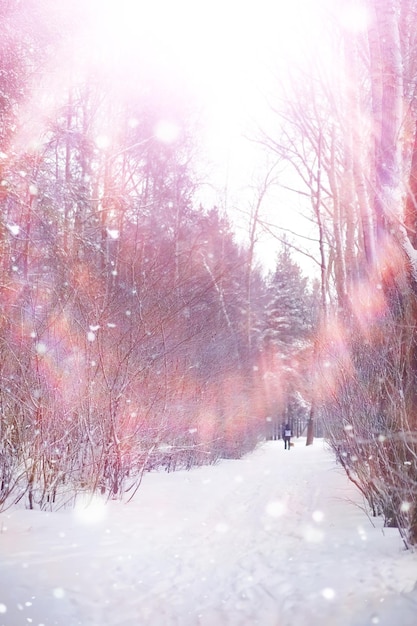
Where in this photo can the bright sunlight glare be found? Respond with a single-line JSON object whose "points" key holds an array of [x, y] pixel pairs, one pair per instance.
{"points": [[166, 131], [220, 50]]}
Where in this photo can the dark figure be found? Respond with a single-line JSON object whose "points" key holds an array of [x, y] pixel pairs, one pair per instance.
{"points": [[287, 434]]}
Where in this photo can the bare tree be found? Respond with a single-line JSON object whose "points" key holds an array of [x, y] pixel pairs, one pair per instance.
{"points": [[349, 133]]}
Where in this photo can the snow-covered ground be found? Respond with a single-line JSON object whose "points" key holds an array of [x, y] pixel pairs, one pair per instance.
{"points": [[277, 538]]}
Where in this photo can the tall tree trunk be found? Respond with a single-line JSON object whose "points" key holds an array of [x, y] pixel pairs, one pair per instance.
{"points": [[411, 202], [338, 223], [388, 162], [317, 212]]}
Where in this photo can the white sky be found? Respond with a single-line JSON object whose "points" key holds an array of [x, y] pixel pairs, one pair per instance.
{"points": [[278, 538]]}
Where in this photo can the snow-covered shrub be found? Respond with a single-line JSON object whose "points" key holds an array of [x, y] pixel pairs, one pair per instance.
{"points": [[370, 423]]}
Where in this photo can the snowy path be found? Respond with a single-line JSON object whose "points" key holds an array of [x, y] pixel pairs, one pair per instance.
{"points": [[276, 539]]}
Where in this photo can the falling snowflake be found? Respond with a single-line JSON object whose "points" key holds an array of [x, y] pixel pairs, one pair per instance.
{"points": [[14, 229], [41, 348], [90, 510], [328, 593], [102, 142], [312, 534], [318, 516], [276, 508], [166, 131]]}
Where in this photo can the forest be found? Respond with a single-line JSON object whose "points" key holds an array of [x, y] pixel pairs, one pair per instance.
{"points": [[138, 332]]}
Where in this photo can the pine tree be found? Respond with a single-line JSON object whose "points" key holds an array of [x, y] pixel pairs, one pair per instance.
{"points": [[289, 309], [286, 340]]}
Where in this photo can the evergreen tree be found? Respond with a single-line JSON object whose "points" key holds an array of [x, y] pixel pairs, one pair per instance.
{"points": [[289, 313], [289, 321]]}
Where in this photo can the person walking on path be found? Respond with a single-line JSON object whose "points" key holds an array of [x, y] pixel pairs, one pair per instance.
{"points": [[287, 434]]}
